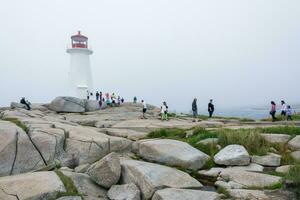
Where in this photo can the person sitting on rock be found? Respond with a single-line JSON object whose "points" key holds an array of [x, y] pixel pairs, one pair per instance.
{"points": [[25, 102]]}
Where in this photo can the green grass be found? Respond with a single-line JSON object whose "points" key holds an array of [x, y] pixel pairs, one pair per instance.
{"points": [[71, 190], [250, 139], [18, 123], [221, 190], [295, 117], [290, 130], [294, 176]]}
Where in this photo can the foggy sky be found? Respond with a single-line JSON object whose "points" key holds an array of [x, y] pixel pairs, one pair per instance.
{"points": [[236, 52]]}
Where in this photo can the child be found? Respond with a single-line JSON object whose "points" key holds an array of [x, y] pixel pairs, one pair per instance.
{"points": [[289, 113], [164, 111]]}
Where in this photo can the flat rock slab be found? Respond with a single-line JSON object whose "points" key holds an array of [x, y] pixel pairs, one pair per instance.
{"points": [[232, 155], [250, 179], [126, 133], [248, 194], [283, 169], [294, 143], [126, 191], [276, 138], [271, 160], [38, 185], [253, 167], [184, 194], [172, 153], [150, 177]]}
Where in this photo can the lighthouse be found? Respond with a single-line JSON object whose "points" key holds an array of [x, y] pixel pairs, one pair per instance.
{"points": [[80, 74]]}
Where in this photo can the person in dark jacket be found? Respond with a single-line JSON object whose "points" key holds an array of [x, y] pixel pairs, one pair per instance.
{"points": [[194, 108], [211, 108], [26, 103]]}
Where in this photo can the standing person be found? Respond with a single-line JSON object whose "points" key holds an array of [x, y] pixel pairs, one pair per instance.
{"points": [[119, 101], [100, 100], [273, 111], [164, 111], [195, 108], [283, 109], [97, 95], [289, 113], [134, 99], [211, 108], [25, 102], [87, 95], [144, 109], [122, 100]]}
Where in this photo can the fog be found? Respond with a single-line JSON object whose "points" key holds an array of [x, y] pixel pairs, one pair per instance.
{"points": [[239, 53]]}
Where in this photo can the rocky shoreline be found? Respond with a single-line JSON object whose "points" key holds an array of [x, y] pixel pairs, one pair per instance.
{"points": [[70, 150]]}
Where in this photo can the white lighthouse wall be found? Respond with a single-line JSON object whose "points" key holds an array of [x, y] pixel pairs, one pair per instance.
{"points": [[80, 73]]}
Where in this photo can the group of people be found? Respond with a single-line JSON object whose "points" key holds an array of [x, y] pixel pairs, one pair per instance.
{"points": [[210, 108], [163, 109], [286, 111], [108, 99]]}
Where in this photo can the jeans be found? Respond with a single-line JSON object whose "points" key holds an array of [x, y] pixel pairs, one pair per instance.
{"points": [[210, 113]]}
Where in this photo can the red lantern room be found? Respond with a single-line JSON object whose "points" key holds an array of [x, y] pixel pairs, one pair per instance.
{"points": [[79, 41]]}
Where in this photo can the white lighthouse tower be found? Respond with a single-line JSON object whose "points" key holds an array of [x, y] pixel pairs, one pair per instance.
{"points": [[80, 75]]}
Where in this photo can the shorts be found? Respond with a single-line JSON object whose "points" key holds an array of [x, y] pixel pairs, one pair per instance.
{"points": [[144, 110]]}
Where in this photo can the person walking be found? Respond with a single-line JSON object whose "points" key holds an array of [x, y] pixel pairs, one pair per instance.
{"points": [[87, 95], [134, 99], [144, 109], [211, 108], [164, 111], [289, 113], [97, 95], [283, 109], [273, 111], [194, 108]]}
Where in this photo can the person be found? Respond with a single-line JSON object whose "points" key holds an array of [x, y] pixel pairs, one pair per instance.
{"points": [[122, 100], [134, 99], [119, 101], [194, 108], [97, 95], [211, 108], [283, 109], [113, 99], [26, 103], [100, 100], [273, 111], [144, 109], [164, 111], [289, 113], [87, 95]]}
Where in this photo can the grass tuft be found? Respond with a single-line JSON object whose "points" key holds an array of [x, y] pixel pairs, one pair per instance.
{"points": [[71, 190], [18, 123]]}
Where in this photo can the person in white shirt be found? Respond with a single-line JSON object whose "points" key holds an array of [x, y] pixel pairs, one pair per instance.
{"points": [[144, 109], [164, 111], [283, 109]]}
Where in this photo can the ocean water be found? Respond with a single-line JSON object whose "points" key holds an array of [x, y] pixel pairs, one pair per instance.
{"points": [[252, 113]]}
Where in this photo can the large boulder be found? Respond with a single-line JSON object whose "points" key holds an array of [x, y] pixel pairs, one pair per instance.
{"points": [[283, 169], [250, 179], [68, 104], [91, 105], [294, 143], [172, 153], [107, 171], [14, 105], [271, 160], [17, 152], [232, 155], [85, 186], [150, 177], [248, 194], [182, 194], [296, 156], [276, 138], [127, 191], [38, 185]]}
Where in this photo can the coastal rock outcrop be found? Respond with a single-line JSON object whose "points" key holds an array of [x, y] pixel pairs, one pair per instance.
{"points": [[172, 153], [68, 104], [150, 177], [232, 155]]}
